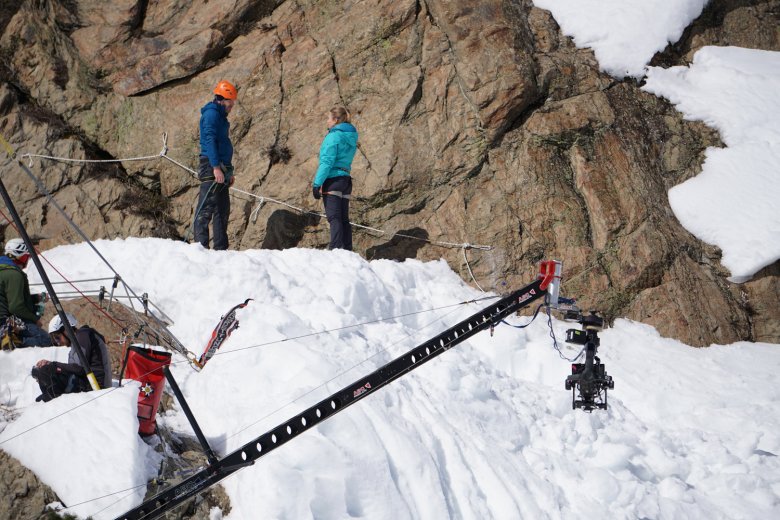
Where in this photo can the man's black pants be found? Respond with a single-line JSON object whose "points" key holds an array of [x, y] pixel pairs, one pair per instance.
{"points": [[213, 202], [337, 211]]}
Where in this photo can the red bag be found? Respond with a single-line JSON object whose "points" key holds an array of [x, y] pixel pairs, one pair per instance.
{"points": [[146, 366]]}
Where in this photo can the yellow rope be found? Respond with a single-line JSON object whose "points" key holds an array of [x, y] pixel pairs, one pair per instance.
{"points": [[8, 149]]}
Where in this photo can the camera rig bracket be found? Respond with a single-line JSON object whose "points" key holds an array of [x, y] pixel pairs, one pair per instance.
{"points": [[588, 382]]}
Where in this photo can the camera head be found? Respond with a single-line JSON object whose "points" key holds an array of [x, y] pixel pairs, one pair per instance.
{"points": [[592, 321], [588, 381]]}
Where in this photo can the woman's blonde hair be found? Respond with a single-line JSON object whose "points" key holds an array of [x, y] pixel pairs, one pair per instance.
{"points": [[341, 114]]}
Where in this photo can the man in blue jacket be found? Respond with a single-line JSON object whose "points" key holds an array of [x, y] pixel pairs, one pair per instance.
{"points": [[215, 170], [332, 181]]}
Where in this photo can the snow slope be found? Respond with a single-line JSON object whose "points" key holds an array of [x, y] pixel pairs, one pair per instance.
{"points": [[484, 431], [734, 90], [730, 204], [624, 34]]}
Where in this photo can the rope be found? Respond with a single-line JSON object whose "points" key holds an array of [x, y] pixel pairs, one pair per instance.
{"points": [[378, 320], [106, 496], [50, 419], [191, 230], [112, 389], [261, 199], [31, 156], [172, 342], [253, 215], [465, 258], [65, 280], [324, 384]]}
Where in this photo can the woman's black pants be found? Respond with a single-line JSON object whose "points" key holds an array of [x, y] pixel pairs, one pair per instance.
{"points": [[337, 211]]}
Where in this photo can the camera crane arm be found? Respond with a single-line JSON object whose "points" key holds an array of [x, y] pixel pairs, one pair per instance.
{"points": [[548, 282]]}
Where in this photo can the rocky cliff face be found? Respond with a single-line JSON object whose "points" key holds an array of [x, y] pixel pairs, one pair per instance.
{"points": [[22, 495], [478, 123]]}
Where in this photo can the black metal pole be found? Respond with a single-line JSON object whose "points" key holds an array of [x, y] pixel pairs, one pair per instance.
{"points": [[191, 418], [69, 332]]}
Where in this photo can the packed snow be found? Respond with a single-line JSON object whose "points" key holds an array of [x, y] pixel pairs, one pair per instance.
{"points": [[624, 34], [730, 204], [484, 431]]}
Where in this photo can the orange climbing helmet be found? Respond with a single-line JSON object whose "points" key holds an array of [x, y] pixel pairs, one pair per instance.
{"points": [[226, 90]]}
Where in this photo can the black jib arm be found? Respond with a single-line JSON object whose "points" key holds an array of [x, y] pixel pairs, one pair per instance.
{"points": [[548, 282]]}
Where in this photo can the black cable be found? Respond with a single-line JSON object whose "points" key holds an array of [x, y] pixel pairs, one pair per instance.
{"points": [[536, 312], [555, 341], [378, 320]]}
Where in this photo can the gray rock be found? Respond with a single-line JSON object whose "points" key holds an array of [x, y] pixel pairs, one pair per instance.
{"points": [[478, 123]]}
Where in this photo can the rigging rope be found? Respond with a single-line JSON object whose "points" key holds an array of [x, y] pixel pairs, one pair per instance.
{"points": [[345, 371], [466, 259], [361, 324], [327, 331], [170, 340], [296, 399], [163, 154]]}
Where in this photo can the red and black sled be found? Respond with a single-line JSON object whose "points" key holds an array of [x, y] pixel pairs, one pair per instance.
{"points": [[227, 324]]}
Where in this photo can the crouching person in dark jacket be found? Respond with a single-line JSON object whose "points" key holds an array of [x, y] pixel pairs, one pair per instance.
{"points": [[56, 378]]}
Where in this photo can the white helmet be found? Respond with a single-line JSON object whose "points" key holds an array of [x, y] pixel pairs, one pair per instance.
{"points": [[16, 248], [55, 325]]}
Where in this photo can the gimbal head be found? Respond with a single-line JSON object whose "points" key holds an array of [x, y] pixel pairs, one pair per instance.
{"points": [[588, 381]]}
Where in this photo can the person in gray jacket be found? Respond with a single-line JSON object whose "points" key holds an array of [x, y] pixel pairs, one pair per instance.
{"points": [[55, 378]]}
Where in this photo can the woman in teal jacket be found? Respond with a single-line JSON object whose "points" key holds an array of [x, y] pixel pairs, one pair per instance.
{"points": [[332, 181]]}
